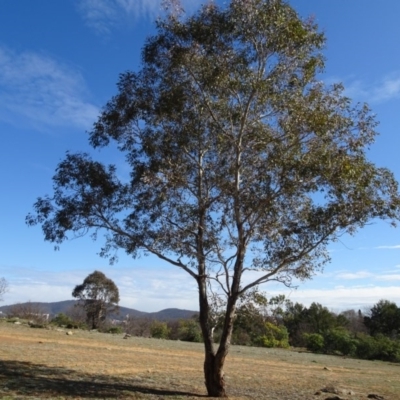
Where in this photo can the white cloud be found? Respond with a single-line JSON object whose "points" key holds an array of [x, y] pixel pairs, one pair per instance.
{"points": [[379, 91], [341, 298], [355, 275], [104, 15], [397, 246], [41, 91], [389, 88], [388, 277], [99, 15]]}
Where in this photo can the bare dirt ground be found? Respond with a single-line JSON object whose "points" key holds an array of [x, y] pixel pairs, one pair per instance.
{"points": [[49, 364]]}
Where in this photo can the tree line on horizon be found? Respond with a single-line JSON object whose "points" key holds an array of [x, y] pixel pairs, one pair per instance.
{"points": [[273, 323], [281, 323]]}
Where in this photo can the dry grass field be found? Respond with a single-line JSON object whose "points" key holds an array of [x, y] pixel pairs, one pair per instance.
{"points": [[49, 364]]}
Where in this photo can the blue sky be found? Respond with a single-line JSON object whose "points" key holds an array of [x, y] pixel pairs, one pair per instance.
{"points": [[59, 63]]}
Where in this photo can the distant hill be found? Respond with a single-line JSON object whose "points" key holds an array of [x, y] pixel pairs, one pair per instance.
{"points": [[63, 306]]}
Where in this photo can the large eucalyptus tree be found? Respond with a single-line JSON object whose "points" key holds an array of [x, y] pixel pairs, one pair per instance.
{"points": [[243, 164]]}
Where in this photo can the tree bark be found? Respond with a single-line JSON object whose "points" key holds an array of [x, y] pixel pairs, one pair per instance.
{"points": [[214, 361], [214, 375]]}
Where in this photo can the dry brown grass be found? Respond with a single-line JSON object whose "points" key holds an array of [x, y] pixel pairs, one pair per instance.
{"points": [[39, 363]]}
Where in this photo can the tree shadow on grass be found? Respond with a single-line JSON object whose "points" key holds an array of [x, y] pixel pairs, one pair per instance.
{"points": [[29, 379]]}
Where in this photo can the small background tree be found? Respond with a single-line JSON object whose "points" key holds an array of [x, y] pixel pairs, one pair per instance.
{"points": [[98, 295], [3, 287], [384, 318]]}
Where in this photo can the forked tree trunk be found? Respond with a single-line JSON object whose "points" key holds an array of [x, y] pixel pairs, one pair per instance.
{"points": [[214, 361], [214, 376]]}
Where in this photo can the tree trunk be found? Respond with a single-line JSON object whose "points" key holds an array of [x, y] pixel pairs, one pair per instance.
{"points": [[214, 361], [214, 376]]}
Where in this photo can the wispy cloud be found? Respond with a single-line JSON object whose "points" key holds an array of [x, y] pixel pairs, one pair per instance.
{"points": [[355, 275], [353, 297], [391, 247], [100, 15], [378, 91], [382, 276], [42, 91], [105, 15], [388, 277]]}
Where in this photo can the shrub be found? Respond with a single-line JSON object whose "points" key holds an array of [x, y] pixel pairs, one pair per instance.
{"points": [[377, 347], [61, 320], [189, 331], [314, 342], [66, 321], [159, 330], [37, 325], [363, 346], [115, 330], [339, 340], [275, 336]]}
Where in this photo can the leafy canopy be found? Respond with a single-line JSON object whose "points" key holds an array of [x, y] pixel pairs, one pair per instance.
{"points": [[235, 150]]}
